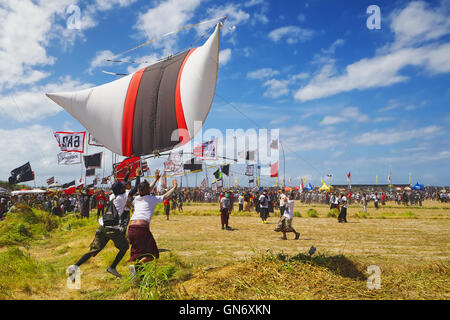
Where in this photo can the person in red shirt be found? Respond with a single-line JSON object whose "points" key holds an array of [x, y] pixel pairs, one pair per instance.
{"points": [[167, 207], [101, 201]]}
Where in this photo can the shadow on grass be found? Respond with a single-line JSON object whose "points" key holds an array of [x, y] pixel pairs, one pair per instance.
{"points": [[338, 264]]}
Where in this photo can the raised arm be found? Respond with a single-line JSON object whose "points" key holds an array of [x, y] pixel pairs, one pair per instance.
{"points": [[136, 184], [157, 176], [174, 187]]}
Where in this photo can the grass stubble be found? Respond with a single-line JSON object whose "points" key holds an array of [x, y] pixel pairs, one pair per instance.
{"points": [[199, 261]]}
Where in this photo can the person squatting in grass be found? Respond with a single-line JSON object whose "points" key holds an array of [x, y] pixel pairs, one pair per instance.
{"points": [[285, 223], [113, 232], [143, 245]]}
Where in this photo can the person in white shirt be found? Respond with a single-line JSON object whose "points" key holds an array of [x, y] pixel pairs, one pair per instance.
{"points": [[283, 200], [264, 206], [109, 229], [343, 214], [143, 245], [285, 223], [241, 202]]}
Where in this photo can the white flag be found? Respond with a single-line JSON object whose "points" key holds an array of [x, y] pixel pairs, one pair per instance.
{"points": [[68, 158], [70, 141]]}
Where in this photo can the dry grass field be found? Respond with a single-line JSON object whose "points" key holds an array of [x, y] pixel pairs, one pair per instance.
{"points": [[199, 260]]}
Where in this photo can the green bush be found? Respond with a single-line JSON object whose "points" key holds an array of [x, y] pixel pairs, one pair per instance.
{"points": [[312, 213], [25, 224], [333, 213]]}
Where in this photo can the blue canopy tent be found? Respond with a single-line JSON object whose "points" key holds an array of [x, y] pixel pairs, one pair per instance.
{"points": [[418, 186], [309, 187]]}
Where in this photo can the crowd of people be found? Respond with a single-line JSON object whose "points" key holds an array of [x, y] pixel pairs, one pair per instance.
{"points": [[116, 223]]}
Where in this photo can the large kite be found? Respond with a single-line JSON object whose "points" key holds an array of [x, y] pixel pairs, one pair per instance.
{"points": [[153, 109]]}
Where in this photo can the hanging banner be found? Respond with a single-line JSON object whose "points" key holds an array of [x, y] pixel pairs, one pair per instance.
{"points": [[90, 172], [192, 165], [121, 169], [274, 170], [207, 150], [93, 142], [249, 170], [93, 160], [50, 180], [274, 144], [67, 158], [203, 184], [144, 166], [70, 141]]}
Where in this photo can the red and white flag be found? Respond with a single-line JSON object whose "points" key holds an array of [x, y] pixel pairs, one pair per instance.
{"points": [[70, 141], [274, 170]]}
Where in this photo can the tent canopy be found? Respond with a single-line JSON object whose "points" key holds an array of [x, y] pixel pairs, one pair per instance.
{"points": [[4, 192], [34, 191], [418, 186], [324, 187]]}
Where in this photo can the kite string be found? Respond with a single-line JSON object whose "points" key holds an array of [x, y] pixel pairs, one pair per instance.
{"points": [[259, 127], [170, 33]]}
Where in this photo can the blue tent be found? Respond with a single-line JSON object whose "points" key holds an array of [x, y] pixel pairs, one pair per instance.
{"points": [[309, 187], [418, 186]]}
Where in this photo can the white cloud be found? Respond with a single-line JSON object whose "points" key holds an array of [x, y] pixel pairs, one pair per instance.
{"points": [[37, 145], [292, 34], [392, 136], [299, 76], [345, 115], [235, 16], [33, 104], [29, 27], [167, 16], [418, 23], [262, 73], [276, 88], [384, 69], [224, 56], [379, 71], [301, 17], [100, 60], [104, 5], [252, 3]]}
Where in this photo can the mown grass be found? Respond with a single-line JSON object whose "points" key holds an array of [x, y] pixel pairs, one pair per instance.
{"points": [[200, 261], [277, 276]]}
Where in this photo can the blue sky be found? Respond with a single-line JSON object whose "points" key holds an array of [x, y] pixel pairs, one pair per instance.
{"points": [[345, 98]]}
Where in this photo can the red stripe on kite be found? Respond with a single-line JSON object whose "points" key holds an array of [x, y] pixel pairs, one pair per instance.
{"points": [[181, 121], [128, 113]]}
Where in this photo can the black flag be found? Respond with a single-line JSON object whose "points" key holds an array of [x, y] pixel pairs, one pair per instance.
{"points": [[21, 174], [93, 160], [69, 184], [192, 165], [226, 169]]}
